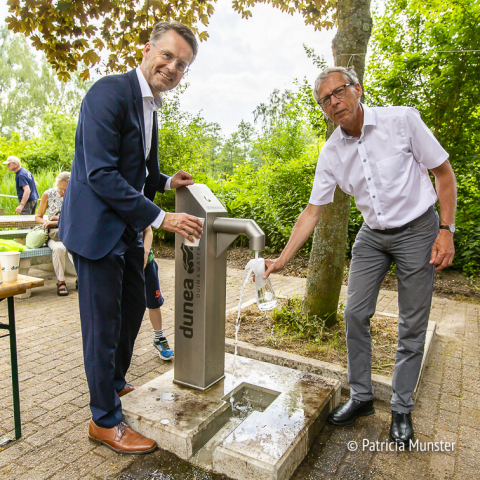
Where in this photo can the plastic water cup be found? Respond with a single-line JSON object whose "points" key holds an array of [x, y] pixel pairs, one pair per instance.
{"points": [[10, 262], [196, 241]]}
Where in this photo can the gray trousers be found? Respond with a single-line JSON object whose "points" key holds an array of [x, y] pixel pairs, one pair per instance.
{"points": [[372, 255], [29, 208]]}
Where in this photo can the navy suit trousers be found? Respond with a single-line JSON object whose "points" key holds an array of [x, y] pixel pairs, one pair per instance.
{"points": [[112, 302]]}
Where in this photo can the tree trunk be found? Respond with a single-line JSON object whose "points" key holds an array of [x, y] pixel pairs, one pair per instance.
{"points": [[327, 257]]}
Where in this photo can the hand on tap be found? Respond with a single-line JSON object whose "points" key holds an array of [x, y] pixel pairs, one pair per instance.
{"points": [[184, 224]]}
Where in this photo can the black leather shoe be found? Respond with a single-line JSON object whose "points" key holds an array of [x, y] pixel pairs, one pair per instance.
{"points": [[401, 430], [350, 411]]}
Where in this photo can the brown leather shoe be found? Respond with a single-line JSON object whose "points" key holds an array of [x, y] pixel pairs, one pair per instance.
{"points": [[121, 439], [126, 389]]}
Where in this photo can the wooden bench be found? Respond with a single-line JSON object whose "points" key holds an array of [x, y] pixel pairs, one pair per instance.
{"points": [[34, 256], [17, 221], [13, 234]]}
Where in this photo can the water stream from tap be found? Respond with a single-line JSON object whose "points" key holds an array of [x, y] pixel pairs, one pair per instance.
{"points": [[246, 275], [261, 293]]}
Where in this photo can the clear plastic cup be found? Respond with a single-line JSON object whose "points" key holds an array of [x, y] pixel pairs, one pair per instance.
{"points": [[196, 241]]}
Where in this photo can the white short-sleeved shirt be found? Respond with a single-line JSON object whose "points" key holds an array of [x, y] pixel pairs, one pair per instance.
{"points": [[385, 169]]}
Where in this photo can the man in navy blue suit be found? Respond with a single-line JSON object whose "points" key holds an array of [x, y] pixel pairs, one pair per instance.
{"points": [[105, 211]]}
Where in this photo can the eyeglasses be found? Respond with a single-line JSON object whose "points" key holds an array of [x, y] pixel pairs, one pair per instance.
{"points": [[168, 57], [339, 92]]}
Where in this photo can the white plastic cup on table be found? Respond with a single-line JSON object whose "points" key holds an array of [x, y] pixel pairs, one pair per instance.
{"points": [[10, 262], [196, 241]]}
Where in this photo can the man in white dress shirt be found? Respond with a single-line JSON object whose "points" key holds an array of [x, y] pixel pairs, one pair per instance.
{"points": [[382, 156]]}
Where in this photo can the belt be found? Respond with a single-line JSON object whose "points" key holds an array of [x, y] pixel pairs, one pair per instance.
{"points": [[393, 231]]}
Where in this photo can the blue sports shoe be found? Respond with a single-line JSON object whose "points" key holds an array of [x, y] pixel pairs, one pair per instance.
{"points": [[164, 350]]}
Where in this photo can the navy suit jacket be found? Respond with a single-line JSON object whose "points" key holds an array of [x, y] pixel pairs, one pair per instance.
{"points": [[104, 193]]}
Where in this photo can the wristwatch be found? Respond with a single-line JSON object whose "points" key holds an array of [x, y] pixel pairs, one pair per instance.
{"points": [[450, 228]]}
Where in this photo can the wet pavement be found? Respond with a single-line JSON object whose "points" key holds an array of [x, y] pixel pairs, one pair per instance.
{"points": [[55, 412], [162, 465]]}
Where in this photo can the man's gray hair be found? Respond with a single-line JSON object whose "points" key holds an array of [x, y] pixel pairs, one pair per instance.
{"points": [[161, 28], [62, 177], [348, 73]]}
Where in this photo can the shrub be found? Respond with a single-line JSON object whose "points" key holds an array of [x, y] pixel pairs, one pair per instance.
{"points": [[273, 195]]}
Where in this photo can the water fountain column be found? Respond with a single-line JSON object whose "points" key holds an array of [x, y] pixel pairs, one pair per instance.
{"points": [[201, 285]]}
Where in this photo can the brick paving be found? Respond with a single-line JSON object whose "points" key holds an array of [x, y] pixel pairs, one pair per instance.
{"points": [[55, 412]]}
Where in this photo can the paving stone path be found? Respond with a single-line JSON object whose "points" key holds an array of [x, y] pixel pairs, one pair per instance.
{"points": [[55, 412]]}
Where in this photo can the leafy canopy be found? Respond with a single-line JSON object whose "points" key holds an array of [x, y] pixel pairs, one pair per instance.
{"points": [[29, 88], [426, 54], [75, 32]]}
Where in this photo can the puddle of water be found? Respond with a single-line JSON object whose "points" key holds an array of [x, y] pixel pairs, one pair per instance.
{"points": [[165, 397]]}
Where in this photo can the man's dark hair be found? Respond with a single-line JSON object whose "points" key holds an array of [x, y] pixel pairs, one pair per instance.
{"points": [[161, 28]]}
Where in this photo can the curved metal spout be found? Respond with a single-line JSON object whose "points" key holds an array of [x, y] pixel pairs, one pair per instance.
{"points": [[228, 229]]}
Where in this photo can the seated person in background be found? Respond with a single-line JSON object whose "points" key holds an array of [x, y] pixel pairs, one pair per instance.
{"points": [[51, 204]]}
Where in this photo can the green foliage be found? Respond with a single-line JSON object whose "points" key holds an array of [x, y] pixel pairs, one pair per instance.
{"points": [[53, 150], [290, 122], [425, 55], [273, 195], [236, 149], [354, 224], [467, 235], [186, 142], [25, 86], [290, 319], [29, 89]]}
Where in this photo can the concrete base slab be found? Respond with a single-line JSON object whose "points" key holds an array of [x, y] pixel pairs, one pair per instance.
{"points": [[381, 383], [276, 414]]}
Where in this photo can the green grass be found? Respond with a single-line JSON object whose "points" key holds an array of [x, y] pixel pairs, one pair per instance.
{"points": [[290, 321]]}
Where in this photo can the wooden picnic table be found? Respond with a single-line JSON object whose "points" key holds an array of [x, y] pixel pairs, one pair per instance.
{"points": [[17, 221], [8, 290]]}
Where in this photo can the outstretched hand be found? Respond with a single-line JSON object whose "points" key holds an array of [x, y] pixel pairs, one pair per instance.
{"points": [[184, 224], [272, 266], [181, 179], [443, 250]]}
